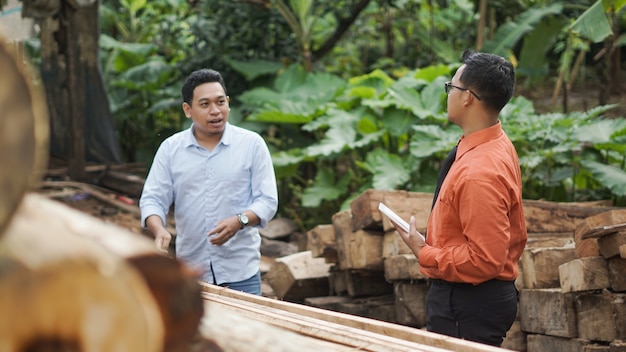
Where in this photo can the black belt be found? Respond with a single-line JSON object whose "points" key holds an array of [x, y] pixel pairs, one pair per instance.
{"points": [[450, 283]]}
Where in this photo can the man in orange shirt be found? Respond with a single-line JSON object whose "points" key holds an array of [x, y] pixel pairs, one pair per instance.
{"points": [[476, 230]]}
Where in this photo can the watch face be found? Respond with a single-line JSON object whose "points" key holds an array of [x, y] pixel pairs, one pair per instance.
{"points": [[243, 219]]}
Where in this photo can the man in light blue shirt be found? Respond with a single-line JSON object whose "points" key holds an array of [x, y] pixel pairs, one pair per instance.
{"points": [[220, 179]]}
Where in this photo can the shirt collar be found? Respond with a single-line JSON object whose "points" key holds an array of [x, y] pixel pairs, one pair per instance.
{"points": [[469, 142], [192, 141]]}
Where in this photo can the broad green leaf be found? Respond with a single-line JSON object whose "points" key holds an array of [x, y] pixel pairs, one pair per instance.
{"points": [[397, 122], [261, 96], [362, 92], [293, 77], [610, 176], [275, 116], [389, 170], [599, 131], [511, 32], [255, 68], [593, 23], [148, 76], [536, 45], [377, 79], [428, 140], [431, 73], [325, 187]]}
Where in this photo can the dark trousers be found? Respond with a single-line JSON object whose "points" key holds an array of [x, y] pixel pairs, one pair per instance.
{"points": [[482, 313]]}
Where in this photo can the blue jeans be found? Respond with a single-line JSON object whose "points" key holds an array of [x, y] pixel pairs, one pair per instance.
{"points": [[251, 285]]}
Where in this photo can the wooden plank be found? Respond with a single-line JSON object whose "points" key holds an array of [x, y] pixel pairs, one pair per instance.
{"points": [[601, 316], [584, 274], [410, 302], [540, 266], [360, 249], [608, 245], [622, 251], [403, 267], [543, 343], [604, 230], [225, 328], [321, 330], [617, 274], [550, 239], [299, 275], [374, 307], [342, 222], [407, 204], [321, 242], [279, 228], [548, 311], [393, 244], [364, 209], [359, 283], [588, 247], [545, 216], [407, 335]]}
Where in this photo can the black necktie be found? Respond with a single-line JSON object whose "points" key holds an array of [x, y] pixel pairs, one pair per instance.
{"points": [[445, 167]]}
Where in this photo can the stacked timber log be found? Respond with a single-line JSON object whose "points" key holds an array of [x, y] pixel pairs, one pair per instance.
{"points": [[70, 282], [573, 296], [575, 253]]}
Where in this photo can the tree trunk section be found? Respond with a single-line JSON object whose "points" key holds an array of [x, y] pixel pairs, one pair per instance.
{"points": [[23, 131], [45, 233], [80, 118]]}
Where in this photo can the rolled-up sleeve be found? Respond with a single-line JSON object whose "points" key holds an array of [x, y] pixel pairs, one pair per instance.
{"points": [[263, 184], [158, 192]]}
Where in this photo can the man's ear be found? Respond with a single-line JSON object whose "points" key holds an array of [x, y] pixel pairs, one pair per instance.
{"points": [[187, 109]]}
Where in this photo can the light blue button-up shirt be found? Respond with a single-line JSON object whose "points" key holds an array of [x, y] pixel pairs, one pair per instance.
{"points": [[207, 186]]}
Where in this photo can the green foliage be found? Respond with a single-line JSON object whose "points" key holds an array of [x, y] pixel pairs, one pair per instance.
{"points": [[364, 117], [511, 32], [373, 131], [560, 153], [139, 70]]}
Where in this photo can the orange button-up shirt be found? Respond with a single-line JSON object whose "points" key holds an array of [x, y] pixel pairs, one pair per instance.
{"points": [[476, 231]]}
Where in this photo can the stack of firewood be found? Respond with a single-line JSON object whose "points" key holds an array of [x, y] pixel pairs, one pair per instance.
{"points": [[573, 295], [367, 270]]}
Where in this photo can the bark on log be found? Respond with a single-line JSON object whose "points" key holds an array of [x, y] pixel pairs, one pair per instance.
{"points": [[23, 131], [45, 232]]}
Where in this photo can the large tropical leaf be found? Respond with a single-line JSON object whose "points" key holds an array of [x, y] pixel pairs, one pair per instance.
{"points": [[255, 68], [593, 23], [508, 34], [428, 140], [537, 43], [389, 171], [610, 176], [325, 187]]}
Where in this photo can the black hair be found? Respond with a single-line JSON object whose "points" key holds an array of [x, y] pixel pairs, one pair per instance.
{"points": [[490, 76], [200, 77]]}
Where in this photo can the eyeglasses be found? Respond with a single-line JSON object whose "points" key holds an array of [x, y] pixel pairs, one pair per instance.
{"points": [[449, 86]]}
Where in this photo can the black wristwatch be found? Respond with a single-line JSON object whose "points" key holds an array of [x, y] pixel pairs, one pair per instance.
{"points": [[243, 219]]}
